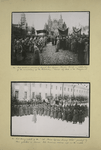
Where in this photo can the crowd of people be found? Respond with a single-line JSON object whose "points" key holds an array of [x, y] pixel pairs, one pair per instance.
{"points": [[77, 44], [21, 47], [73, 113]]}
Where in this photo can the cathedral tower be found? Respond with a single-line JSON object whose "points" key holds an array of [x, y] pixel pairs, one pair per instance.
{"points": [[23, 21], [60, 22], [49, 22]]}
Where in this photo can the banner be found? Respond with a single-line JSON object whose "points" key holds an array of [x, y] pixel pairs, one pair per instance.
{"points": [[76, 32], [63, 32]]}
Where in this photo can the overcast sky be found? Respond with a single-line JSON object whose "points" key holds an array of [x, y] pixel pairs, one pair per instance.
{"points": [[39, 19]]}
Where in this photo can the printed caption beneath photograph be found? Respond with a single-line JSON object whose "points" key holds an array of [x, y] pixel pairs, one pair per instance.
{"points": [[51, 141], [50, 68]]}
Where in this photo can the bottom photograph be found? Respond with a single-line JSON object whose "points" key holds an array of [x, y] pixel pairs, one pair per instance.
{"points": [[50, 109]]}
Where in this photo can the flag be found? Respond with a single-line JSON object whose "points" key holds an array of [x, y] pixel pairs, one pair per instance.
{"points": [[76, 32], [63, 32]]}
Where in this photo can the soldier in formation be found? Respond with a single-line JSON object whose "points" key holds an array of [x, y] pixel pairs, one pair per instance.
{"points": [[70, 113], [27, 45]]}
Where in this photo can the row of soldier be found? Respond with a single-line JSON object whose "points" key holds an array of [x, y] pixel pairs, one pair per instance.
{"points": [[22, 46], [73, 113], [77, 44]]}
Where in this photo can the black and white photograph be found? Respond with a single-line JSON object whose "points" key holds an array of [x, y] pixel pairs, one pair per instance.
{"points": [[50, 38], [50, 109]]}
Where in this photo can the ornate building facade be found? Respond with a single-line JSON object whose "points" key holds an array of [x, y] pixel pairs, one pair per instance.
{"points": [[27, 91]]}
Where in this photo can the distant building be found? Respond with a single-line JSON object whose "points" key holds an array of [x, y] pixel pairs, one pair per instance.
{"points": [[60, 21], [53, 25], [27, 91], [23, 21], [21, 30]]}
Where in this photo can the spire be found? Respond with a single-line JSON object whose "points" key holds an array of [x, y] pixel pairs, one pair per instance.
{"points": [[23, 20], [49, 22], [60, 21], [49, 17], [60, 16]]}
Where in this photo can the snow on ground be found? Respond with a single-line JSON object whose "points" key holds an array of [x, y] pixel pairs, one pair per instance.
{"points": [[46, 126]]}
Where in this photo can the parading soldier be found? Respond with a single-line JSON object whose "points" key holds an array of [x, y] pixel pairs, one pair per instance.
{"points": [[20, 110], [48, 110], [25, 108], [45, 109], [52, 111], [75, 116], [63, 114], [59, 113]]}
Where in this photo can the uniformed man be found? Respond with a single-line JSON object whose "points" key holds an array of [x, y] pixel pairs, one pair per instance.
{"points": [[52, 111], [39, 109], [45, 109], [48, 110], [58, 44], [81, 50], [59, 113], [55, 40], [75, 116], [25, 108], [28, 109], [18, 52], [86, 52], [67, 43], [20, 110], [63, 114], [64, 43], [17, 108], [34, 118], [31, 108], [36, 60], [55, 112], [68, 115]]}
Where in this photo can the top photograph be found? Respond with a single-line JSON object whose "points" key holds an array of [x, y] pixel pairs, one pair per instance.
{"points": [[50, 38]]}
